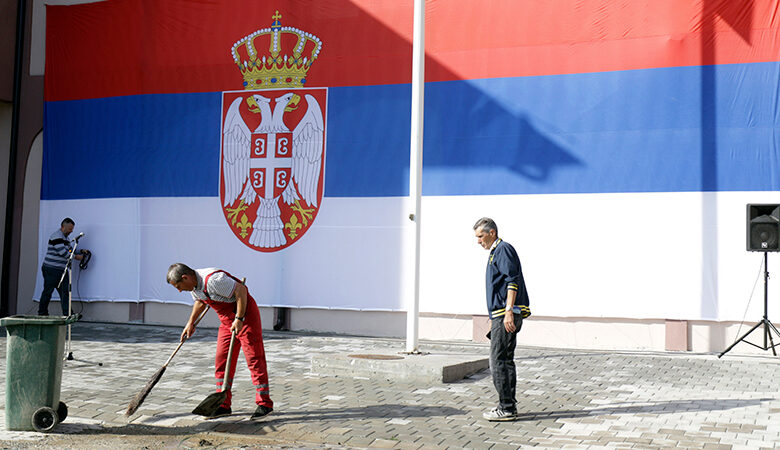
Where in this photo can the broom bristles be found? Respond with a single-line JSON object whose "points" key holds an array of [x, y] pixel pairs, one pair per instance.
{"points": [[141, 396]]}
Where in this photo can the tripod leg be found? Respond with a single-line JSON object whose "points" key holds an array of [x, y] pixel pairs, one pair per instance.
{"points": [[774, 328], [742, 338], [70, 307], [767, 334]]}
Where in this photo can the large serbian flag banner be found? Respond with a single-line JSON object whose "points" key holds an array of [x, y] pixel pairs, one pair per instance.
{"points": [[615, 142]]}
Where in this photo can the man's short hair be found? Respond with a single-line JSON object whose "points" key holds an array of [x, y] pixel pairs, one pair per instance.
{"points": [[486, 224], [176, 271], [66, 221]]}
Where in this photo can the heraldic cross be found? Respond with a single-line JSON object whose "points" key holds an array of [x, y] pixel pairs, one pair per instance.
{"points": [[270, 163]]}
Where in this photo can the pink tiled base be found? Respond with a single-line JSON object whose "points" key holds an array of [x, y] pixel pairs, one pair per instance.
{"points": [[677, 335], [481, 325]]}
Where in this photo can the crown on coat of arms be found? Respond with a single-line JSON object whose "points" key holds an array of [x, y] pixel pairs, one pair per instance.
{"points": [[277, 68]]}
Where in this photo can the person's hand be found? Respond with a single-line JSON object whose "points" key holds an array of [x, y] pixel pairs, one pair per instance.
{"points": [[509, 321], [189, 330], [237, 326]]}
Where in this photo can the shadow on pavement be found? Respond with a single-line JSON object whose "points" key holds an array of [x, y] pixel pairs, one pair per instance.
{"points": [[665, 407], [388, 411], [240, 424]]}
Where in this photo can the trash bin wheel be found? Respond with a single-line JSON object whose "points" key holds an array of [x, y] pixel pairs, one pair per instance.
{"points": [[62, 411], [44, 419]]}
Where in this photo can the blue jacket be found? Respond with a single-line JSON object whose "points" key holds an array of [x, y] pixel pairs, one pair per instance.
{"points": [[503, 273]]}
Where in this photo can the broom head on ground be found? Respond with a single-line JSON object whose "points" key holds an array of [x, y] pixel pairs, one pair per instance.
{"points": [[141, 396], [133, 406]]}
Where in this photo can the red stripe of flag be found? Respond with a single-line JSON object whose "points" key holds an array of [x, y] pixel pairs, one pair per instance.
{"points": [[126, 47]]}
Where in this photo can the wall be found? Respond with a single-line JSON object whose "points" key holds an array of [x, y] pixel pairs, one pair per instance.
{"points": [[618, 334], [29, 263], [6, 112]]}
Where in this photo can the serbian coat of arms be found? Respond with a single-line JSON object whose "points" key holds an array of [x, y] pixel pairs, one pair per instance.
{"points": [[272, 163]]}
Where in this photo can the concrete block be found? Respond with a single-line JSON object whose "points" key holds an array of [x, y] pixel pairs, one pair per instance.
{"points": [[428, 368]]}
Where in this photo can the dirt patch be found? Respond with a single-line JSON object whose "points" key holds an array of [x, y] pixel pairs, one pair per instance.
{"points": [[200, 441]]}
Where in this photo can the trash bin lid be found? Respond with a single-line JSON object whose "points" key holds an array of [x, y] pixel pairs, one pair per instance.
{"points": [[33, 320]]}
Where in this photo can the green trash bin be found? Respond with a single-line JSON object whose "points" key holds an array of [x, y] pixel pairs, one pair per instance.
{"points": [[33, 371]]}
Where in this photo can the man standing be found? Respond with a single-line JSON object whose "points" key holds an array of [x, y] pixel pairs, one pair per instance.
{"points": [[507, 302], [237, 312], [54, 265]]}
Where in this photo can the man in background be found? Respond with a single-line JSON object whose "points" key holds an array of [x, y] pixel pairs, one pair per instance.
{"points": [[507, 302], [54, 263]]}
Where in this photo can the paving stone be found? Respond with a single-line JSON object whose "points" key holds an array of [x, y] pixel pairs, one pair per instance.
{"points": [[382, 443], [407, 446]]}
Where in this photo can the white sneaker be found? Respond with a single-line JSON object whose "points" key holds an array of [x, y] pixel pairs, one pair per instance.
{"points": [[499, 415]]}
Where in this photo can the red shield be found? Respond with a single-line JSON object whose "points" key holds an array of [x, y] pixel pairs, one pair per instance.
{"points": [[269, 191]]}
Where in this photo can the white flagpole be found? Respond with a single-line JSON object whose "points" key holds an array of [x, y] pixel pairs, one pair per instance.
{"points": [[415, 165]]}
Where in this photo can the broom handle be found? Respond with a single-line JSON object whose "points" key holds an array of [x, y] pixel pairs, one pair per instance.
{"points": [[230, 353], [182, 342], [227, 368]]}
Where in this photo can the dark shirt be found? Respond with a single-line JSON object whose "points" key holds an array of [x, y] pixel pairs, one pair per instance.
{"points": [[504, 273]]}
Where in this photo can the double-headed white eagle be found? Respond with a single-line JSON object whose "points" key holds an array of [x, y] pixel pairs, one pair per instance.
{"points": [[307, 149]]}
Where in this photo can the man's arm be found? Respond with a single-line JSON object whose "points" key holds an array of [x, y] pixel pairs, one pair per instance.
{"points": [[241, 299], [189, 329], [509, 265], [59, 246], [509, 317]]}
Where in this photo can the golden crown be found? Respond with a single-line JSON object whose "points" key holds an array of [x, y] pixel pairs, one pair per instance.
{"points": [[275, 70]]}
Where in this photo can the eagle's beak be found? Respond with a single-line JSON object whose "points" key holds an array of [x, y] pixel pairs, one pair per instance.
{"points": [[293, 103], [252, 104]]}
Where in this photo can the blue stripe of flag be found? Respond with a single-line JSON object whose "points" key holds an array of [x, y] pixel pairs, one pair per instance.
{"points": [[628, 131]]}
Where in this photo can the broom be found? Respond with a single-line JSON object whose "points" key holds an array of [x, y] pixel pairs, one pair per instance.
{"points": [[136, 403]]}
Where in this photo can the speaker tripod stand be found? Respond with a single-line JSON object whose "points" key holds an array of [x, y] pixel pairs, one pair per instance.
{"points": [[768, 326], [70, 318]]}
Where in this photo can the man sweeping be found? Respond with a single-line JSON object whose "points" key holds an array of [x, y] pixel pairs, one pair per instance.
{"points": [[238, 313]]}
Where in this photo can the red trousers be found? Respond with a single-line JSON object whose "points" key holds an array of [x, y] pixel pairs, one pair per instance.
{"points": [[251, 340]]}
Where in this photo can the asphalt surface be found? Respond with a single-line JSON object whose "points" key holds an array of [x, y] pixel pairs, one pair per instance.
{"points": [[566, 398]]}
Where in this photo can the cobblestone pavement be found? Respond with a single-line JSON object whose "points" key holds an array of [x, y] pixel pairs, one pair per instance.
{"points": [[567, 398]]}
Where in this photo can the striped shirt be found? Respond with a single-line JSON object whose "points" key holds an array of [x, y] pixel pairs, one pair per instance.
{"points": [[58, 250], [221, 287]]}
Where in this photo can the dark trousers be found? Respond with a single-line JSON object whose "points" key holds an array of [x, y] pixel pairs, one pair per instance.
{"points": [[502, 362], [51, 277]]}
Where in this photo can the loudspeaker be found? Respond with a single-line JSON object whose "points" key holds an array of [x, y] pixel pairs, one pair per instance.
{"points": [[763, 228]]}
